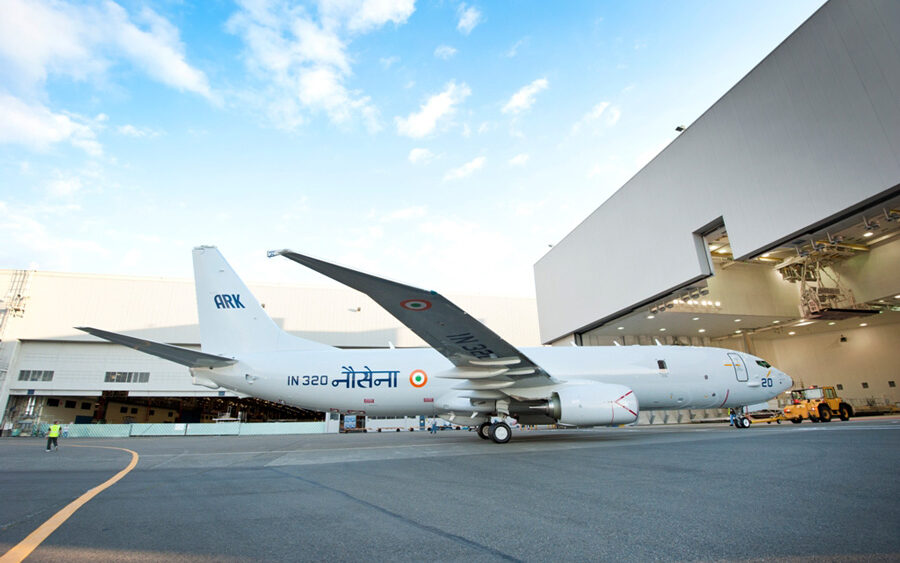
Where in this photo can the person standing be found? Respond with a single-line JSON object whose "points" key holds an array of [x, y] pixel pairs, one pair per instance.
{"points": [[53, 435]]}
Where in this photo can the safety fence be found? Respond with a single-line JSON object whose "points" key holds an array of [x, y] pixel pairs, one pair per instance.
{"points": [[187, 429]]}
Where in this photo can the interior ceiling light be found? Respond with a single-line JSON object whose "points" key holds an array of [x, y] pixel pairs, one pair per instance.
{"points": [[737, 332], [702, 330], [651, 316], [775, 322], [621, 328], [868, 234], [704, 291], [804, 323], [696, 319], [737, 320], [662, 330], [792, 333], [832, 323], [897, 297], [863, 324], [718, 303]]}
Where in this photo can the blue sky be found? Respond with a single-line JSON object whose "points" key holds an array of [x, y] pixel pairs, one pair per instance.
{"points": [[443, 144]]}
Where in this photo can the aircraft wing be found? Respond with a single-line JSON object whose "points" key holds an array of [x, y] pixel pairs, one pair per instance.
{"points": [[183, 356], [478, 352]]}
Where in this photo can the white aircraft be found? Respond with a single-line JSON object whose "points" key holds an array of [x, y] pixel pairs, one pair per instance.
{"points": [[470, 374]]}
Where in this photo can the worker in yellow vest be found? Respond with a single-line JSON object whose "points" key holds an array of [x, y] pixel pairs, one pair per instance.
{"points": [[53, 435]]}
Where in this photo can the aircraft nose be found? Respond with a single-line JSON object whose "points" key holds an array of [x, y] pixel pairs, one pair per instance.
{"points": [[789, 382]]}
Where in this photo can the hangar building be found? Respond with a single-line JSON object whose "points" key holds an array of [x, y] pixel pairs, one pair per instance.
{"points": [[770, 225], [52, 371]]}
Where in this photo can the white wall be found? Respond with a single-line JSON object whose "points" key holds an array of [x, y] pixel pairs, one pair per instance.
{"points": [[812, 131]]}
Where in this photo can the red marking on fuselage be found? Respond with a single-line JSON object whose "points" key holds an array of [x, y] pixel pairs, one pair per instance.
{"points": [[727, 391], [623, 406]]}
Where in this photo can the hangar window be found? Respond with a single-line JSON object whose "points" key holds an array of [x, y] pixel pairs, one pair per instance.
{"points": [[764, 363], [839, 387], [134, 410], [70, 404], [35, 375], [85, 406], [52, 402], [865, 385], [892, 383], [123, 410], [127, 377]]}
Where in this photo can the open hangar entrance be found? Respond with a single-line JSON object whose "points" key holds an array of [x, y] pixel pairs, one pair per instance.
{"points": [[823, 307], [769, 225]]}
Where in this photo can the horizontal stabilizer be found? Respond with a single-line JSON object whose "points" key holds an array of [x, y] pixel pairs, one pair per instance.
{"points": [[183, 356]]}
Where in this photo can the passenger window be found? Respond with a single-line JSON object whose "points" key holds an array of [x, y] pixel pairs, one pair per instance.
{"points": [[662, 365]]}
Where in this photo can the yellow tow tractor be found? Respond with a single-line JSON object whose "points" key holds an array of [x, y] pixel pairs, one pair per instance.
{"points": [[818, 404]]}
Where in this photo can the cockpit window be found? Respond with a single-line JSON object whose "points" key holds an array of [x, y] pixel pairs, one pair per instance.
{"points": [[764, 363]]}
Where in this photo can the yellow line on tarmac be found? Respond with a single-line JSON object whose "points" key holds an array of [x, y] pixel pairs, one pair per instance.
{"points": [[34, 539]]}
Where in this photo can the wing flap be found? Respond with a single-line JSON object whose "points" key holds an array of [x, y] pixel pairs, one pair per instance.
{"points": [[183, 356]]}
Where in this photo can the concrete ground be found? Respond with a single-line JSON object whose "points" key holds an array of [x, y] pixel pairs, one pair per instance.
{"points": [[807, 492]]}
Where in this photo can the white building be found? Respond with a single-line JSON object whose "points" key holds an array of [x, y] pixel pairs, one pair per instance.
{"points": [[52, 371], [770, 225]]}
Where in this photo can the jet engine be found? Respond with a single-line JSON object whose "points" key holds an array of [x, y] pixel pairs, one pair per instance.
{"points": [[593, 404]]}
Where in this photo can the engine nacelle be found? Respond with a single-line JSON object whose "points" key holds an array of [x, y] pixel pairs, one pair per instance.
{"points": [[593, 404]]}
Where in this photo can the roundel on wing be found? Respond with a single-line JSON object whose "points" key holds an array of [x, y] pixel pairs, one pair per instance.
{"points": [[416, 304], [418, 378]]}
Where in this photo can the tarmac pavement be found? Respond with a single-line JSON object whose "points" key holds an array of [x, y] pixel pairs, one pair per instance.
{"points": [[669, 493]]}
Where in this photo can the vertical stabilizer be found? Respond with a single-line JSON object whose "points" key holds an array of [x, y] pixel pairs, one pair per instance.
{"points": [[232, 322]]}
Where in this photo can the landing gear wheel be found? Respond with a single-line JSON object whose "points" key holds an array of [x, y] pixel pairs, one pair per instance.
{"points": [[745, 422], [844, 412], [824, 414], [500, 432], [484, 430], [797, 420]]}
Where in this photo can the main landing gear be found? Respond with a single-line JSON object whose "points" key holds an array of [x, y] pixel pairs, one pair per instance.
{"points": [[499, 432]]}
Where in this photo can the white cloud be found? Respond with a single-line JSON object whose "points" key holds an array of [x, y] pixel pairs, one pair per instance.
{"points": [[524, 98], [405, 214], [519, 160], [439, 106], [469, 17], [39, 38], [362, 16], [27, 232], [444, 52], [466, 169], [63, 186], [417, 156], [35, 126], [388, 62], [129, 130], [514, 50], [603, 112], [302, 60]]}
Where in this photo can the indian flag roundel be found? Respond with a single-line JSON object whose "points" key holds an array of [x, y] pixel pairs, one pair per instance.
{"points": [[416, 304], [418, 378]]}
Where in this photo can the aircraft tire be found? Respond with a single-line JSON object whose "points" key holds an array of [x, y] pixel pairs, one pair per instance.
{"points": [[484, 430], [500, 432], [745, 423]]}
